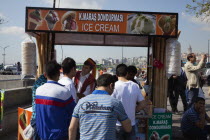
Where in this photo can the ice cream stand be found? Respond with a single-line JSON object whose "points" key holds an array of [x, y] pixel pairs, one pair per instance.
{"points": [[56, 26]]}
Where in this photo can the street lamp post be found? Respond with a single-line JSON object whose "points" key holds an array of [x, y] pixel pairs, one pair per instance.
{"points": [[122, 55], [4, 54], [208, 49]]}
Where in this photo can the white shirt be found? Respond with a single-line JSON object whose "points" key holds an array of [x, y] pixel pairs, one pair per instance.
{"points": [[207, 72], [53, 90], [129, 94], [81, 81], [69, 84]]}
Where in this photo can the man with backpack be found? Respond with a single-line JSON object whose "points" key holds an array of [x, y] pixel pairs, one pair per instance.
{"points": [[176, 88]]}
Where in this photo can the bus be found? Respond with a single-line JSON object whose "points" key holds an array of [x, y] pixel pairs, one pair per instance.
{"points": [[98, 67]]}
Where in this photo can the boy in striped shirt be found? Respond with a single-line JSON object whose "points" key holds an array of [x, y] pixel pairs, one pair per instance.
{"points": [[98, 113]]}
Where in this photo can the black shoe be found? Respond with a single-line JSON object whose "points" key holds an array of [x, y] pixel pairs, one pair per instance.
{"points": [[175, 111]]}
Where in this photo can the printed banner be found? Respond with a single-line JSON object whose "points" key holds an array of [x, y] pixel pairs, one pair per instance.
{"points": [[2, 92], [160, 126], [24, 117], [105, 22]]}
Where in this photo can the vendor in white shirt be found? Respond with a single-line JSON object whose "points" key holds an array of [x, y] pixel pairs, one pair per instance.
{"points": [[84, 80], [69, 71]]}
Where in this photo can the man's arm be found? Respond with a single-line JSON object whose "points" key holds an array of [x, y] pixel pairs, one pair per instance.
{"points": [[73, 128], [207, 119], [126, 124], [80, 95], [89, 90], [201, 123], [122, 117], [141, 105], [202, 116], [200, 65]]}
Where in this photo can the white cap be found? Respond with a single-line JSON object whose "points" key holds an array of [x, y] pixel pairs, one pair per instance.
{"points": [[201, 95]]}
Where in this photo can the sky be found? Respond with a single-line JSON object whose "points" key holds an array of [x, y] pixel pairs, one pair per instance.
{"points": [[194, 32]]}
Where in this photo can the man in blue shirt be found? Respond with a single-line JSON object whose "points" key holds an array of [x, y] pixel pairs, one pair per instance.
{"points": [[54, 106], [193, 123], [98, 113]]}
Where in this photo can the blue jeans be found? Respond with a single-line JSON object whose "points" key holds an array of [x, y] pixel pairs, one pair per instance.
{"points": [[122, 135], [33, 124], [192, 95]]}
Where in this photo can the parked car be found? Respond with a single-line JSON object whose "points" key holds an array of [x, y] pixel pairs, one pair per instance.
{"points": [[10, 69], [1, 67]]}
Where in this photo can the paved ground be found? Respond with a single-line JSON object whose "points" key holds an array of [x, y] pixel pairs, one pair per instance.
{"points": [[176, 133]]}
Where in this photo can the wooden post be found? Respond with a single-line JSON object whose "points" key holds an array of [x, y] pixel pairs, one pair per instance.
{"points": [[159, 78]]}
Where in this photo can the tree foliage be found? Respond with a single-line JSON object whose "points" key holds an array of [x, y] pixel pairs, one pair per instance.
{"points": [[200, 8], [1, 20]]}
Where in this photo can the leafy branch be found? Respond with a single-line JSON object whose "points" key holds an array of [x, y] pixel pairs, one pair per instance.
{"points": [[200, 8]]}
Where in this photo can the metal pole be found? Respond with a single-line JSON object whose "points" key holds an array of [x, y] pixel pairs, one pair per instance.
{"points": [[122, 55], [54, 3], [4, 54], [208, 51], [62, 54]]}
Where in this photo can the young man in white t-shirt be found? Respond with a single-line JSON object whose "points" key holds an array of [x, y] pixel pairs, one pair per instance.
{"points": [[129, 94], [69, 71]]}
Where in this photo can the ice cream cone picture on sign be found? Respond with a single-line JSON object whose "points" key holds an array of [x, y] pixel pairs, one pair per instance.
{"points": [[51, 18], [22, 120], [167, 24], [35, 20], [68, 21]]}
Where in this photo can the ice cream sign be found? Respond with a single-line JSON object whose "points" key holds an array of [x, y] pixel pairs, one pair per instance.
{"points": [[101, 21], [160, 126]]}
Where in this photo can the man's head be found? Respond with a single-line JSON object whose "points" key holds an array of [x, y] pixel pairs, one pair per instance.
{"points": [[199, 104], [69, 67], [191, 57], [53, 70], [121, 70], [106, 81], [89, 64], [132, 71]]}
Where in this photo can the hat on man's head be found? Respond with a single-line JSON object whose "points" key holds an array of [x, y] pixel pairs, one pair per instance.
{"points": [[201, 95], [90, 62]]}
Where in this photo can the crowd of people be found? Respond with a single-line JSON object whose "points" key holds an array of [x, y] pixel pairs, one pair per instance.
{"points": [[188, 85], [75, 105]]}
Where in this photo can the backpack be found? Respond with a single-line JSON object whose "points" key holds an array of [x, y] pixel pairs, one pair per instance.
{"points": [[183, 75]]}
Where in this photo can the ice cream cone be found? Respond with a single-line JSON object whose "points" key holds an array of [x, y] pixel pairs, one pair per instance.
{"points": [[32, 26], [51, 18], [34, 20], [50, 25]]}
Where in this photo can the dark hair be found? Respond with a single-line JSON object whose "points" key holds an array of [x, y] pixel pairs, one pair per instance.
{"points": [[199, 99], [121, 70], [190, 55], [105, 80], [115, 78], [52, 69], [132, 69], [67, 64]]}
